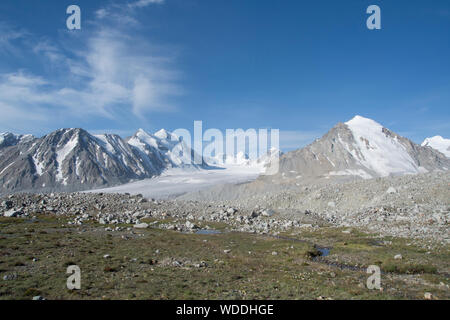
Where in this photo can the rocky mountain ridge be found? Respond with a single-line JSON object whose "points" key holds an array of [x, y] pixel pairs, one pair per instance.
{"points": [[73, 159], [361, 148]]}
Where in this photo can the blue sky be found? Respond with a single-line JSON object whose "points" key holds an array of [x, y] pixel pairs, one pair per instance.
{"points": [[298, 66]]}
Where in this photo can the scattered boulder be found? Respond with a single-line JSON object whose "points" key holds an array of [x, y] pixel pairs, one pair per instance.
{"points": [[191, 226], [391, 190], [13, 213], [8, 204], [268, 213], [9, 277], [141, 226]]}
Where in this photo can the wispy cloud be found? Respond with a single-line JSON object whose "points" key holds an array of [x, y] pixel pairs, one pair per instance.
{"points": [[10, 38], [113, 70], [124, 13], [144, 3]]}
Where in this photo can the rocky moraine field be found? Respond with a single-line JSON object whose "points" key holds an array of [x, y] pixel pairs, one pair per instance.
{"points": [[312, 242]]}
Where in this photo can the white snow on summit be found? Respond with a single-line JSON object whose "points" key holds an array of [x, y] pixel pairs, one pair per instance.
{"points": [[61, 155], [10, 139], [439, 143], [378, 151], [165, 145], [241, 159]]}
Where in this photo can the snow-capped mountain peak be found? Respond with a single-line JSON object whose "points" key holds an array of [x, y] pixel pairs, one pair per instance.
{"points": [[8, 139], [163, 134], [141, 136], [438, 143], [364, 148], [164, 146], [379, 149], [363, 121]]}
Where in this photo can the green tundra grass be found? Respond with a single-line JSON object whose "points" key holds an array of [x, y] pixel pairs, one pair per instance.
{"points": [[161, 264]]}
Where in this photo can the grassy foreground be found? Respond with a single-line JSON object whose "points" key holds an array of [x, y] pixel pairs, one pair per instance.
{"points": [[162, 264]]}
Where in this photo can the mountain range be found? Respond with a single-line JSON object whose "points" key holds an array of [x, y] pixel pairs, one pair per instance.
{"points": [[361, 148], [74, 159]]}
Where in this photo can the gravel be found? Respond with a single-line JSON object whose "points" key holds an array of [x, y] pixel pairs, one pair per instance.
{"points": [[419, 208]]}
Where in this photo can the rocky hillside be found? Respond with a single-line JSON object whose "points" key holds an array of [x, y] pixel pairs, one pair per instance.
{"points": [[73, 159], [8, 139], [163, 148], [361, 148], [438, 143]]}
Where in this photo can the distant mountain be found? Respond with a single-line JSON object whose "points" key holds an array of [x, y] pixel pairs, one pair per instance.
{"points": [[164, 148], [73, 159], [361, 148], [241, 159], [9, 139], [438, 143]]}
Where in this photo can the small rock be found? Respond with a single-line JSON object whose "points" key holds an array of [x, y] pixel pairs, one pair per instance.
{"points": [[12, 213], [398, 257], [254, 214], [177, 263], [7, 204], [190, 225], [391, 190], [9, 277], [268, 213], [428, 296], [141, 226]]}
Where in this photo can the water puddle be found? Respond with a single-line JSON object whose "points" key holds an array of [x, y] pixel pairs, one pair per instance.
{"points": [[323, 251], [208, 231]]}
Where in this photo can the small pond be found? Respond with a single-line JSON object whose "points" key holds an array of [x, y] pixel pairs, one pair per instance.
{"points": [[208, 231]]}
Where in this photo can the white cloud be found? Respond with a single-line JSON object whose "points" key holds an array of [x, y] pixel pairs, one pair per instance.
{"points": [[102, 13], [110, 71], [50, 51], [123, 14], [10, 38], [144, 3], [125, 70], [119, 14]]}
